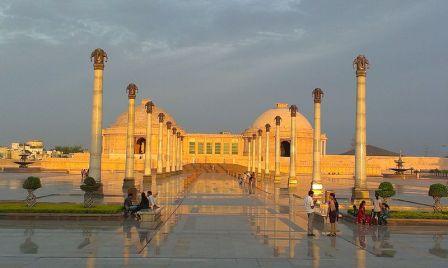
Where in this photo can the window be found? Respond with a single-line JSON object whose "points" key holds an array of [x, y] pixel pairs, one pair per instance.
{"points": [[191, 148], [226, 148], [217, 148], [234, 148], [285, 149], [140, 146], [209, 148], [200, 147]]}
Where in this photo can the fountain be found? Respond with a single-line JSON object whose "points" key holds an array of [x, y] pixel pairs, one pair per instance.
{"points": [[400, 170], [23, 163]]}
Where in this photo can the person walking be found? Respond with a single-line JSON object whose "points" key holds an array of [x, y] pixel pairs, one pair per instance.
{"points": [[309, 209], [361, 217], [332, 214], [376, 208]]}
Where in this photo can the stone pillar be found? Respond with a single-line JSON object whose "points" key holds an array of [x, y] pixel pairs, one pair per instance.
{"points": [[316, 184], [181, 163], [249, 162], [260, 132], [159, 145], [174, 150], [360, 191], [98, 57], [148, 154], [325, 148], [168, 147], [278, 120], [266, 151], [254, 138], [292, 158], [129, 171]]}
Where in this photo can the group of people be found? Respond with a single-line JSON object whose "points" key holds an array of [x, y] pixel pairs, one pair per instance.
{"points": [[332, 212], [378, 215], [146, 202], [249, 178]]}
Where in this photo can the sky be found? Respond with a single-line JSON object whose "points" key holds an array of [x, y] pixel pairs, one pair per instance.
{"points": [[216, 65]]}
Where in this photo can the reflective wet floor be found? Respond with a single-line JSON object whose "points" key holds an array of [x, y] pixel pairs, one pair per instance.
{"points": [[215, 223]]}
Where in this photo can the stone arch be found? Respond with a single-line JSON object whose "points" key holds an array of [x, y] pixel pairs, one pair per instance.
{"points": [[140, 146], [285, 148]]}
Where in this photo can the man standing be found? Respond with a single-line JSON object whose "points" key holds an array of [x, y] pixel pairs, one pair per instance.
{"points": [[309, 209]]}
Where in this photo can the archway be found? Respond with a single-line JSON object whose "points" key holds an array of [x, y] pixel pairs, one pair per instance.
{"points": [[140, 145], [285, 149]]}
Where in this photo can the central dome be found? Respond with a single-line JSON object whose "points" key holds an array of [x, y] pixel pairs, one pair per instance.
{"points": [[282, 110]]}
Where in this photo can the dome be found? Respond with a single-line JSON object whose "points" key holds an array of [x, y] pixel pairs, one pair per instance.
{"points": [[281, 109], [140, 117]]}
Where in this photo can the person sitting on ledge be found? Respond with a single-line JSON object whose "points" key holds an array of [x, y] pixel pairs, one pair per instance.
{"points": [[152, 201], [128, 206], [384, 214], [144, 202]]}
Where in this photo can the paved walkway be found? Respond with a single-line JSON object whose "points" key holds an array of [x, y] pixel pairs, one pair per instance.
{"points": [[218, 224]]}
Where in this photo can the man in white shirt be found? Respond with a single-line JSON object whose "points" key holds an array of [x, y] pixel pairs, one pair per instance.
{"points": [[309, 209], [152, 201]]}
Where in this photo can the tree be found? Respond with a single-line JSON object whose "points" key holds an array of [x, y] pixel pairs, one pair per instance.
{"points": [[90, 186], [437, 191], [69, 149], [31, 184], [385, 190]]}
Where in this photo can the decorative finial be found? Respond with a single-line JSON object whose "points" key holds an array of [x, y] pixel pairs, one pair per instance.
{"points": [[361, 64], [132, 89], [161, 117], [178, 134], [278, 120], [293, 110], [149, 107], [268, 127], [174, 131], [254, 136], [181, 138], [169, 124], [318, 94], [249, 139], [260, 132], [98, 57]]}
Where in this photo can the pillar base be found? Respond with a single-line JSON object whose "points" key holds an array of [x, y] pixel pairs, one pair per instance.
{"points": [[147, 177], [359, 195]]}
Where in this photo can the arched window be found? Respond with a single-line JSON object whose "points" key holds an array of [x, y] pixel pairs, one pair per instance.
{"points": [[140, 145], [285, 149]]}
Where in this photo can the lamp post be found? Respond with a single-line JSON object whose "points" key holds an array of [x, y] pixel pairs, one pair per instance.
{"points": [[99, 57]]}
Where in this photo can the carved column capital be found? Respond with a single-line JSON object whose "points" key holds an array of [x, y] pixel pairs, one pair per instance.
{"points": [[174, 131], [132, 89], [161, 117], [98, 57], [278, 120], [149, 106], [260, 132], [293, 108], [268, 127], [169, 125], [361, 64], [318, 94]]}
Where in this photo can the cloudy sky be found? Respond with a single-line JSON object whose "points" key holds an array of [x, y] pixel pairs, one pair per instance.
{"points": [[217, 64]]}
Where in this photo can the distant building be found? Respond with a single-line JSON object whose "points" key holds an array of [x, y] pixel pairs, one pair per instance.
{"points": [[35, 149]]}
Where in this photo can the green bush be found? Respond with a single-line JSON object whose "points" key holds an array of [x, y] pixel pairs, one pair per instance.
{"points": [[438, 190], [385, 190], [90, 185], [32, 183]]}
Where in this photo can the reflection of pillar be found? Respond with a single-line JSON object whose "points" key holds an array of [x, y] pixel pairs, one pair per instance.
{"points": [[316, 184], [159, 145], [260, 132], [278, 120], [249, 153], [148, 154], [181, 165], [292, 158], [129, 172], [360, 190], [168, 147], [174, 150], [98, 57], [254, 138], [266, 151]]}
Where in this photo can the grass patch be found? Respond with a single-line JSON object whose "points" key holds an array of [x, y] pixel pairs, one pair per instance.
{"points": [[70, 208], [414, 215]]}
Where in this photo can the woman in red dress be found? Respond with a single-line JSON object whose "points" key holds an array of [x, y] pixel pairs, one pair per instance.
{"points": [[361, 212]]}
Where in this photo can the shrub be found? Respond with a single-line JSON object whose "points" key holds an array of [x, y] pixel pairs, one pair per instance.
{"points": [[437, 191], [32, 183], [90, 185], [385, 190]]}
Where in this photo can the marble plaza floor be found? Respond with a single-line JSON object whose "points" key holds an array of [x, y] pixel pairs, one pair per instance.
{"points": [[215, 223]]}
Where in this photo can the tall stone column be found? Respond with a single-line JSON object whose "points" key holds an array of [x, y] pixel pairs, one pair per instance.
{"points": [[168, 147], [260, 132], [360, 191], [148, 154], [174, 150], [316, 184], [159, 145], [181, 163], [254, 160], [249, 162], [278, 120], [292, 158], [131, 89], [99, 57], [266, 151], [178, 151]]}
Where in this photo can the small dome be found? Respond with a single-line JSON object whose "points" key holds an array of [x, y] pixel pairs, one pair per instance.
{"points": [[140, 117], [281, 109]]}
